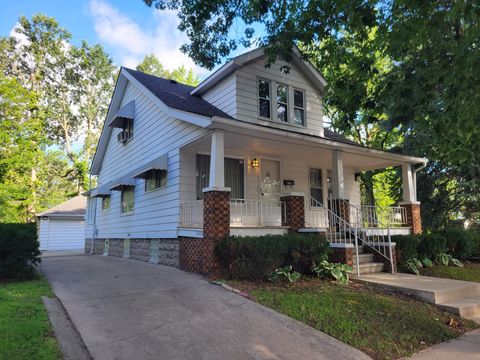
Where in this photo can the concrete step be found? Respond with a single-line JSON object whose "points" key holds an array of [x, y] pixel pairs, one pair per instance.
{"points": [[361, 250], [466, 307], [462, 291], [363, 258], [369, 268]]}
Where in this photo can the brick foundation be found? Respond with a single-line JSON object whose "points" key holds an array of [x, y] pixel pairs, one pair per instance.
{"points": [[414, 219], [342, 255], [140, 249], [197, 255], [294, 212]]}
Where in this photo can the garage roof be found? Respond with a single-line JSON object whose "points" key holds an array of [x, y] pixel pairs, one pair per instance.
{"points": [[75, 207]]}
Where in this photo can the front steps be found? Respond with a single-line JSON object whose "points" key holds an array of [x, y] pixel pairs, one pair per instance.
{"points": [[367, 263], [457, 297]]}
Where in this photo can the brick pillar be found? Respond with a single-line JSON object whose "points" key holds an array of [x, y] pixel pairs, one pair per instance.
{"points": [[341, 208], [216, 226], [294, 205], [342, 255], [414, 219]]}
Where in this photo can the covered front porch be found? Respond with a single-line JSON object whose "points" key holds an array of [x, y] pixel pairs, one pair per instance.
{"points": [[262, 171]]}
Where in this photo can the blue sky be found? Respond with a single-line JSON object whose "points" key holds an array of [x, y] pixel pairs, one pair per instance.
{"points": [[128, 30]]}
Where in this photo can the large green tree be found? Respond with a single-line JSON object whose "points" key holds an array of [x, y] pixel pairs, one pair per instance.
{"points": [[152, 65]]}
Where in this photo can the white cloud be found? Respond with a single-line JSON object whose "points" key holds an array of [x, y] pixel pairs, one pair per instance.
{"points": [[131, 41]]}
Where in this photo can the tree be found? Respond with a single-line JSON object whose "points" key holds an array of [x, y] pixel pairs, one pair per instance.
{"points": [[151, 65]]}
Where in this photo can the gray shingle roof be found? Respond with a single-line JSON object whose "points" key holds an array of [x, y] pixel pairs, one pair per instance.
{"points": [[74, 206], [177, 95]]}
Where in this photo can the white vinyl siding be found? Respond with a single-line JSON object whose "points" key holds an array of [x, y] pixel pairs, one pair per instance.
{"points": [[156, 213], [223, 96]]}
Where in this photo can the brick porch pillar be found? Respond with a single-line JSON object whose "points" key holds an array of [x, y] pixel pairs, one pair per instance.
{"points": [[293, 214], [414, 219], [216, 226], [341, 208]]}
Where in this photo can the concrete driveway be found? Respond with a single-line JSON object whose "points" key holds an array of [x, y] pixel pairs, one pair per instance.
{"points": [[127, 309]]}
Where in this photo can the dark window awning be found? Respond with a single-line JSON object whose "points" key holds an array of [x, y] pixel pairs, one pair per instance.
{"points": [[102, 191], [126, 112], [120, 184], [160, 163]]}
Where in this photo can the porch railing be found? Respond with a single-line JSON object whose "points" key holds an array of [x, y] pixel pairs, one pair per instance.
{"points": [[383, 217], [243, 212]]}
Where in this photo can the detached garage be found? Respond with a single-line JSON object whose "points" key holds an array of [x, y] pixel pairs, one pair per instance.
{"points": [[63, 226]]}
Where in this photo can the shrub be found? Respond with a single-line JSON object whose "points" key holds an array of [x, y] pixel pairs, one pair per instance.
{"points": [[461, 243], [339, 272], [431, 244], [285, 273], [19, 251], [256, 257], [406, 247]]}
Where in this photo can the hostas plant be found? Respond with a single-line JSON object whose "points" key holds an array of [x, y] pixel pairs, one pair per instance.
{"points": [[414, 265], [446, 259], [337, 271], [285, 273]]}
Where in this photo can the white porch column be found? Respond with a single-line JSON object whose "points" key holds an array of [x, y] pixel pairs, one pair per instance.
{"points": [[408, 185], [217, 164], [338, 181]]}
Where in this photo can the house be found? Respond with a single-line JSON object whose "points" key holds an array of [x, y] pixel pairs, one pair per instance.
{"points": [[63, 226], [243, 153]]}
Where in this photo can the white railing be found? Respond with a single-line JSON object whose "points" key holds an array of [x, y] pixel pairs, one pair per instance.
{"points": [[376, 239], [244, 212], [191, 214], [383, 217], [315, 216]]}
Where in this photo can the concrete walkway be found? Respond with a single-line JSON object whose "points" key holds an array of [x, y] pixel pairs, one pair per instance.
{"points": [[455, 296], [466, 347], [125, 309]]}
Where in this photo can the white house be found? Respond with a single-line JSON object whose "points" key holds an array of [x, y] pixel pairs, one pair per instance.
{"points": [[62, 227], [243, 153]]}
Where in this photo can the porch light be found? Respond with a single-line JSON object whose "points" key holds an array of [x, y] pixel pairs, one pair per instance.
{"points": [[255, 163]]}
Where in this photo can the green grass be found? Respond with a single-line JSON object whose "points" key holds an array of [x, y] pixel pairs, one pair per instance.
{"points": [[470, 272], [25, 331], [381, 325]]}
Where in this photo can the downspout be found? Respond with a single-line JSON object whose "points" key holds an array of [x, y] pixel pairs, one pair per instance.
{"points": [[415, 170], [94, 218]]}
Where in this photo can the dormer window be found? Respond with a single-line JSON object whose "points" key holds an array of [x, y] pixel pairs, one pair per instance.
{"points": [[298, 107], [264, 98], [282, 101]]}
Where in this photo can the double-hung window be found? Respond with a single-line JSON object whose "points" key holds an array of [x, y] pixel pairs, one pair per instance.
{"points": [[155, 179], [234, 176], [316, 188], [282, 101], [105, 202], [264, 98], [298, 107], [127, 199]]}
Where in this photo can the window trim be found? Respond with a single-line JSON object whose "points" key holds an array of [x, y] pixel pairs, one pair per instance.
{"points": [[121, 202], [157, 188], [270, 101], [245, 169], [310, 168], [296, 107]]}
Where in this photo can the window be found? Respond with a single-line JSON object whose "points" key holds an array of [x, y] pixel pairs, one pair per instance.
{"points": [[264, 98], [105, 202], [298, 107], [128, 199], [234, 176], [155, 179], [316, 189], [128, 128], [282, 101]]}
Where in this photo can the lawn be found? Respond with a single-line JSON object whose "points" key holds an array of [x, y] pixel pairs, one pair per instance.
{"points": [[470, 272], [384, 326], [24, 326]]}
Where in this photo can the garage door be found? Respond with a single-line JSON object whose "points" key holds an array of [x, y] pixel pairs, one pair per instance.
{"points": [[63, 235]]}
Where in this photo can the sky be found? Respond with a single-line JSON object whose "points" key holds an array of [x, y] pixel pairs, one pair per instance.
{"points": [[128, 30]]}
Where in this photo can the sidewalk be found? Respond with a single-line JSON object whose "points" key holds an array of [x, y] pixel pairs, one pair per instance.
{"points": [[466, 347]]}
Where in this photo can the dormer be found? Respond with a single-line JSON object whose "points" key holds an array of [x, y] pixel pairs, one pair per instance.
{"points": [[286, 95]]}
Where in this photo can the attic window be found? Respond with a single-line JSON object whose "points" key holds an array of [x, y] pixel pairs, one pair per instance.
{"points": [[123, 116]]}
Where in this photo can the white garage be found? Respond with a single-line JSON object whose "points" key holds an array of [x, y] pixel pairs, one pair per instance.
{"points": [[63, 226]]}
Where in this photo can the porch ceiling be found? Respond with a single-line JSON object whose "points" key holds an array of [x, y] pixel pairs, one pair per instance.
{"points": [[256, 144]]}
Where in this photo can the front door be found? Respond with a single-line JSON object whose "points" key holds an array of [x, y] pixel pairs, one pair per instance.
{"points": [[269, 192]]}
